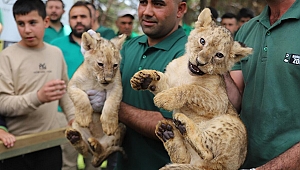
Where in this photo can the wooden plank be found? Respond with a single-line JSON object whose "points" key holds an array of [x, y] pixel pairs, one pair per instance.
{"points": [[33, 142]]}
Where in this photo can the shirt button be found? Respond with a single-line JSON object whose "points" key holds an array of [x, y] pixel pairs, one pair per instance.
{"points": [[265, 49], [140, 68], [268, 33], [144, 56]]}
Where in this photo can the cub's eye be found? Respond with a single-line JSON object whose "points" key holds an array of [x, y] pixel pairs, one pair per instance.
{"points": [[202, 41], [219, 55], [115, 65], [100, 64]]}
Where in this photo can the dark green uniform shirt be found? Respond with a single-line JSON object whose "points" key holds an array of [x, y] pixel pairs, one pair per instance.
{"points": [[51, 33], [106, 33], [270, 106], [145, 153]]}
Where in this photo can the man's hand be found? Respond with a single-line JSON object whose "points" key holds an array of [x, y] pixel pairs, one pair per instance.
{"points": [[97, 99], [7, 138], [52, 90]]}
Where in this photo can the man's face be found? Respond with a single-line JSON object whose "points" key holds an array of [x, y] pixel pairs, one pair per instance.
{"points": [[31, 28], [158, 18], [80, 20], [54, 10], [230, 24], [125, 25], [243, 20]]}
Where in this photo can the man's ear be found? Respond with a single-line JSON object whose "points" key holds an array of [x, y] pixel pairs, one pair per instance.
{"points": [[46, 22], [182, 8], [97, 13]]}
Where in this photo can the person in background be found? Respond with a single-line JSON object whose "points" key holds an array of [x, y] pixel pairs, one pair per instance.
{"points": [[55, 10], [33, 83], [269, 83], [244, 15], [187, 28], [7, 138], [229, 21], [214, 13], [105, 32], [80, 20], [124, 23]]}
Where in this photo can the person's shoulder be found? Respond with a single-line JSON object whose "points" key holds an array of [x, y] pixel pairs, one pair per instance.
{"points": [[60, 40], [10, 48]]}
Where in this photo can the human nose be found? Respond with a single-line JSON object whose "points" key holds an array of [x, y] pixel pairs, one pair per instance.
{"points": [[148, 10], [27, 28]]}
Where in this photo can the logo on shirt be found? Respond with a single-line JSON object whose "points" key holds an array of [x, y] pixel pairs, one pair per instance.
{"points": [[292, 59], [42, 66]]}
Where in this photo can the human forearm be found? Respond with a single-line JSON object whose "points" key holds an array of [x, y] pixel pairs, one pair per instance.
{"points": [[289, 160], [233, 92], [140, 120], [18, 105]]}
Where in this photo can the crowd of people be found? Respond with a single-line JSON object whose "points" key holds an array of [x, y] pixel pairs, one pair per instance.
{"points": [[35, 71]]}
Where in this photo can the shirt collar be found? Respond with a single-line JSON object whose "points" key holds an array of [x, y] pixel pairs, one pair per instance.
{"points": [[71, 39], [292, 13], [167, 43]]}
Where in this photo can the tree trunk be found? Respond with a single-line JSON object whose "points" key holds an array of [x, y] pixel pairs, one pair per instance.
{"points": [[103, 16]]}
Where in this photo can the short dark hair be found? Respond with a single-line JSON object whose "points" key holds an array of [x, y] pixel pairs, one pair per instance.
{"points": [[245, 13], [80, 3], [214, 12], [23, 7], [89, 3], [63, 5], [229, 15]]}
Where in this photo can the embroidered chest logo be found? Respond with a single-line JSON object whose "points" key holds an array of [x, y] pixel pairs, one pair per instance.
{"points": [[42, 66], [292, 58]]}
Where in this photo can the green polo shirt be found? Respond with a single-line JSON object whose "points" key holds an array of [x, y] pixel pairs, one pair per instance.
{"points": [[105, 32], [187, 29], [270, 105], [51, 33], [71, 52], [145, 153]]}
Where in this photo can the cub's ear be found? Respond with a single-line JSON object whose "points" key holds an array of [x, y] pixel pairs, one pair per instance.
{"points": [[119, 40], [239, 51], [89, 41], [204, 18]]}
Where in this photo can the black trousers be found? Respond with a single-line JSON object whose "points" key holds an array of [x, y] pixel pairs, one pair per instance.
{"points": [[47, 159]]}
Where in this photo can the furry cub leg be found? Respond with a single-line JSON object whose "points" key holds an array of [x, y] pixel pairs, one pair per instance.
{"points": [[152, 80], [190, 132], [83, 108], [173, 142], [76, 140], [109, 115], [107, 145]]}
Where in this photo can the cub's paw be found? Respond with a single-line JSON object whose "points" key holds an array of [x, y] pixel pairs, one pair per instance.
{"points": [[164, 130], [144, 79], [109, 125], [73, 136], [83, 120], [179, 123], [94, 145], [166, 100]]}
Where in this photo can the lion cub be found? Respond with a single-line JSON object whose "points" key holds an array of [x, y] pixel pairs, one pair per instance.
{"points": [[206, 132], [99, 71]]}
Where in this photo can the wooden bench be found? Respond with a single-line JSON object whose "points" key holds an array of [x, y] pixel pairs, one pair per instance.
{"points": [[33, 142]]}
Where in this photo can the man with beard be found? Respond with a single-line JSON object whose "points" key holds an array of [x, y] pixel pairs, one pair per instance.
{"points": [[80, 20], [105, 32], [55, 10]]}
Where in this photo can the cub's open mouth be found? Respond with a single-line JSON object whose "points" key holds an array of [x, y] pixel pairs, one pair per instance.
{"points": [[194, 69]]}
